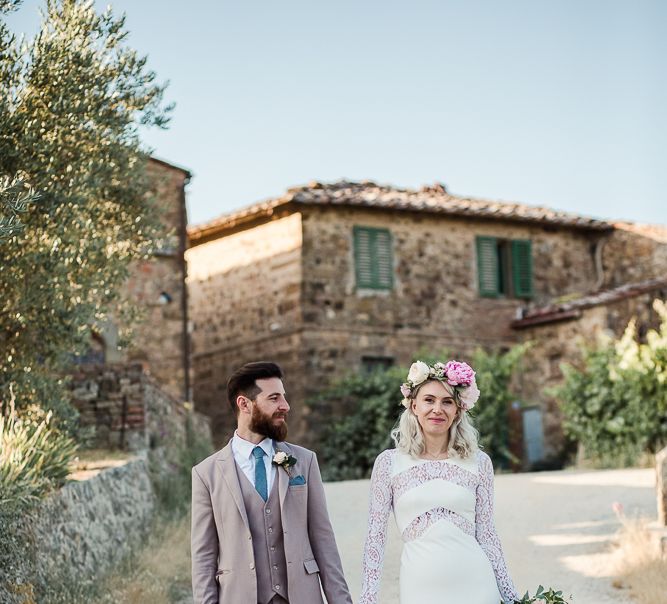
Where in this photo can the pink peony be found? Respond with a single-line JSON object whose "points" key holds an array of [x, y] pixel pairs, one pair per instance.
{"points": [[469, 395], [459, 374], [405, 390]]}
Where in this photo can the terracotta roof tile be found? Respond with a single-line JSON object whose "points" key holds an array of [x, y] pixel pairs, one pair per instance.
{"points": [[432, 199], [573, 308]]}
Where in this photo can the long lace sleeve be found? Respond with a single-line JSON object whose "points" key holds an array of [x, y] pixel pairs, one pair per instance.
{"points": [[485, 530], [378, 515]]}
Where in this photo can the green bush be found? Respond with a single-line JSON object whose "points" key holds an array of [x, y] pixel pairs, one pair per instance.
{"points": [[359, 411], [491, 414], [34, 455], [34, 458], [615, 404], [366, 409]]}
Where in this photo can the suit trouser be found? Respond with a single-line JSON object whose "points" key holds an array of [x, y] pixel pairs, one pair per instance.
{"points": [[278, 600]]}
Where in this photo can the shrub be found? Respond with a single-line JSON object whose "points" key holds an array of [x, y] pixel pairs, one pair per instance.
{"points": [[491, 414], [367, 407], [34, 455], [34, 458], [615, 404]]}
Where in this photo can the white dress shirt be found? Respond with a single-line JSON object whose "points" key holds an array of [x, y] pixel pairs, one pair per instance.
{"points": [[242, 450]]}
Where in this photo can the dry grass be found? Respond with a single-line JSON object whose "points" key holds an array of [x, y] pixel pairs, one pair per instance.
{"points": [[160, 573], [638, 563]]}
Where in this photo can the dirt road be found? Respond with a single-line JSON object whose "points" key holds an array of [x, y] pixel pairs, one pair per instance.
{"points": [[555, 527]]}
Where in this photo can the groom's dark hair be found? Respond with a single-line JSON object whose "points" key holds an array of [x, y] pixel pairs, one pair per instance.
{"points": [[243, 380]]}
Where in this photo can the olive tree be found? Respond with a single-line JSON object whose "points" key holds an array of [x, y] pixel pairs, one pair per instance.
{"points": [[72, 101]]}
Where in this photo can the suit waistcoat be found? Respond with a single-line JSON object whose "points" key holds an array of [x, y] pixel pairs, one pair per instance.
{"points": [[268, 545]]}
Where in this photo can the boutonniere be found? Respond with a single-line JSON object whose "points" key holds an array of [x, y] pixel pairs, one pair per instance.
{"points": [[284, 460]]}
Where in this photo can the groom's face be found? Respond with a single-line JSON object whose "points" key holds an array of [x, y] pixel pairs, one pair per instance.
{"points": [[269, 410]]}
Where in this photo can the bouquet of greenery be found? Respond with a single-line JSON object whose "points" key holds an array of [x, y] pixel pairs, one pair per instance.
{"points": [[549, 596]]}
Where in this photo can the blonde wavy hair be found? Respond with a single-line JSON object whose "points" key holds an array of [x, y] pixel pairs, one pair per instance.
{"points": [[409, 438]]}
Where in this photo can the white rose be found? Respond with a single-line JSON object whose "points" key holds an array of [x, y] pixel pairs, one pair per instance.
{"points": [[280, 457], [419, 371], [469, 395]]}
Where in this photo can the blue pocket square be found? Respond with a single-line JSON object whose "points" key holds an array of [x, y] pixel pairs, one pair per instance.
{"points": [[297, 480]]}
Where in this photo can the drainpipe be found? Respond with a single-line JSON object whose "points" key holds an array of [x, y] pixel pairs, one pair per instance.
{"points": [[184, 297]]}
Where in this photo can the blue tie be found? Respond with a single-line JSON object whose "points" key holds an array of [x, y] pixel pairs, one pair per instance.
{"points": [[260, 473]]}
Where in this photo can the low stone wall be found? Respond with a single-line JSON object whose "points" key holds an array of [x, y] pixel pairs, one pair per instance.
{"points": [[82, 530], [87, 527]]}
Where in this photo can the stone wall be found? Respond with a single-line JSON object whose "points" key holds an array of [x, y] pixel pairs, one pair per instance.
{"points": [[159, 340], [128, 409], [87, 527], [634, 253], [245, 294], [81, 531], [110, 400]]}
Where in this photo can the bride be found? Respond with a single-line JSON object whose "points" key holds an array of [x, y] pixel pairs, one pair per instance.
{"points": [[439, 486]]}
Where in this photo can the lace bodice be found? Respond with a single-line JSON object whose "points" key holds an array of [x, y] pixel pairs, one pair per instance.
{"points": [[389, 484]]}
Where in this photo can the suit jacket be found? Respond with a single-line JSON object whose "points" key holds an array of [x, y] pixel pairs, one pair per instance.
{"points": [[223, 565]]}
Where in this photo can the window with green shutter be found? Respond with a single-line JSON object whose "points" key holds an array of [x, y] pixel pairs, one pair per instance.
{"points": [[504, 267], [374, 266]]}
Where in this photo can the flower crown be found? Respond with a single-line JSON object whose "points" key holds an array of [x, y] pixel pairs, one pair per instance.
{"points": [[457, 374]]}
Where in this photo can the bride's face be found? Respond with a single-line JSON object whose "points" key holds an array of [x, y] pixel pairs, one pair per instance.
{"points": [[435, 408]]}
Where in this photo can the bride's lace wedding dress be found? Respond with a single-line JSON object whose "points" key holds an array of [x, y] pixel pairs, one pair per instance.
{"points": [[444, 511]]}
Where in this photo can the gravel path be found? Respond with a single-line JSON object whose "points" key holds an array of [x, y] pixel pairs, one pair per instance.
{"points": [[556, 529]]}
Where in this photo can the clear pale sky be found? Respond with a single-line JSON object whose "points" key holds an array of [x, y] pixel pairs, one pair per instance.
{"points": [[562, 104]]}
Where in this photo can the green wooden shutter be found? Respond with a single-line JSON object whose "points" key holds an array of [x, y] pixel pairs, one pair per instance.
{"points": [[487, 266], [384, 264], [374, 266], [522, 268]]}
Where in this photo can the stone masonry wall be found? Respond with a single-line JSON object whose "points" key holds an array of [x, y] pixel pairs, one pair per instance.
{"points": [[244, 294], [80, 531], [110, 399], [634, 253], [87, 527], [129, 410], [158, 340]]}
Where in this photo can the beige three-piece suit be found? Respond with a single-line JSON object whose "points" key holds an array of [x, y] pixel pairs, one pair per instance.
{"points": [[246, 550]]}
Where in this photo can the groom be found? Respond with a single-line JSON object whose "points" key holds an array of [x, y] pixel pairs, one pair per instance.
{"points": [[260, 529]]}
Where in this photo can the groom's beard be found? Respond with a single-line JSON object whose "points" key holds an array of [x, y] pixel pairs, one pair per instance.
{"points": [[261, 423]]}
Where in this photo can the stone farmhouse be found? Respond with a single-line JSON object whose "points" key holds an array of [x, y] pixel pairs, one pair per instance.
{"points": [[110, 383], [335, 278]]}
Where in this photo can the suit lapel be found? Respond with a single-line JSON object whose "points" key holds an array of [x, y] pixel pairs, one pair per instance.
{"points": [[228, 468], [283, 476]]}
